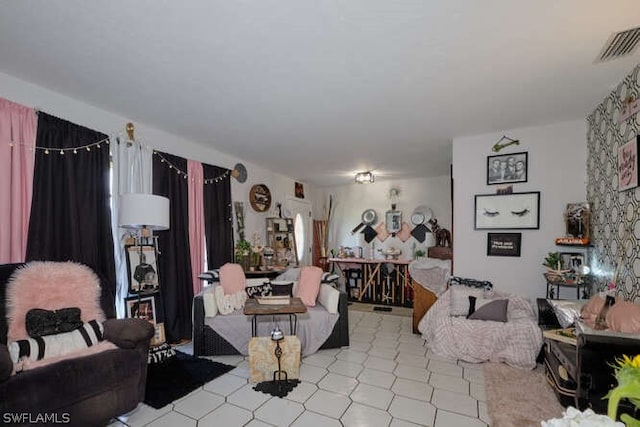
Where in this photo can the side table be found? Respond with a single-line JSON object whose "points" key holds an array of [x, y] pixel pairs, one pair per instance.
{"points": [[253, 308], [582, 289]]}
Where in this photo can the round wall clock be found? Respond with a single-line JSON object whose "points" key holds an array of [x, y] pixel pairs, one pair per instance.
{"points": [[260, 198], [239, 172]]}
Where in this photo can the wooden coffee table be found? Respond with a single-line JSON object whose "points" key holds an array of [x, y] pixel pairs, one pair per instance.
{"points": [[255, 309]]}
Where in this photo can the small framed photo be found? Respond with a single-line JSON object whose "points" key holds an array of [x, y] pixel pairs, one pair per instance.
{"points": [[504, 244], [573, 261], [141, 308], [158, 337], [628, 164], [393, 221], [507, 168], [299, 190], [142, 268], [507, 211]]}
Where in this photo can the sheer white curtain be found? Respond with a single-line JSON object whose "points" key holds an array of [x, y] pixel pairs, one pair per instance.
{"points": [[17, 158], [131, 173]]}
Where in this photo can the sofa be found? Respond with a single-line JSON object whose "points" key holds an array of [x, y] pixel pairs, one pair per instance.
{"points": [[83, 391], [453, 330], [207, 341]]}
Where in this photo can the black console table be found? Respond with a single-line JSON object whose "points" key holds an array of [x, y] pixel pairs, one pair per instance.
{"points": [[582, 374]]}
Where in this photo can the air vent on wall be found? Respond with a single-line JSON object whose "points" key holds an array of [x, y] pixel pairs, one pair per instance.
{"points": [[620, 44]]}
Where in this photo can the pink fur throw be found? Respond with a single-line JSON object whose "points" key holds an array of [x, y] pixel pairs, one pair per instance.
{"points": [[51, 286]]}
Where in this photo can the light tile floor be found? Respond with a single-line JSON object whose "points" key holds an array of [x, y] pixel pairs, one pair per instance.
{"points": [[386, 377]]}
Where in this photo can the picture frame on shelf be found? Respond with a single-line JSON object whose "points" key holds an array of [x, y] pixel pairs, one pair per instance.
{"points": [[628, 164], [577, 218], [507, 168], [507, 211], [572, 261], [159, 335], [142, 268], [504, 244], [141, 308]]}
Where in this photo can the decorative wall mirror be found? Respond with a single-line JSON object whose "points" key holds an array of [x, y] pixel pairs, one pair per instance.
{"points": [[393, 220], [260, 198]]}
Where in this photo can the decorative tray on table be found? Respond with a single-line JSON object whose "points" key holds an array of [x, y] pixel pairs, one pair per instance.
{"points": [[274, 300]]}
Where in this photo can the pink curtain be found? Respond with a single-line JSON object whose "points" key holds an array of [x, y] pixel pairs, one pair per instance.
{"points": [[17, 157], [196, 221]]}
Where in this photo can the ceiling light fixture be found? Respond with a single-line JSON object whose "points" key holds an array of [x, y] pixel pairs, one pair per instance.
{"points": [[364, 177]]}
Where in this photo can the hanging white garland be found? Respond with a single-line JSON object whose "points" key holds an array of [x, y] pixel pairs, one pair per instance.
{"points": [[185, 175], [60, 150]]}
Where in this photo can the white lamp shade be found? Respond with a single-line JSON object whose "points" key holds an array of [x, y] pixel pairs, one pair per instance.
{"points": [[141, 210]]}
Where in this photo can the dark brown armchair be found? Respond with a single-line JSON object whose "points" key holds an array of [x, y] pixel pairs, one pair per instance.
{"points": [[83, 391]]}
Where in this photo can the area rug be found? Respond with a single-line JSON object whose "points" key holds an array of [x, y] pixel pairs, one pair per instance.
{"points": [[179, 376], [517, 397]]}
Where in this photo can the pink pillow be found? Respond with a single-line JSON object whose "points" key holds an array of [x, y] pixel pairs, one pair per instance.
{"points": [[591, 310], [232, 278], [309, 285], [624, 316]]}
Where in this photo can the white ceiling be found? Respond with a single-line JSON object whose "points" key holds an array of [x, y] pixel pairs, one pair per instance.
{"points": [[322, 88]]}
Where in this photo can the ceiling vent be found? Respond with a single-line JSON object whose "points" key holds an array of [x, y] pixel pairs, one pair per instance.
{"points": [[620, 44]]}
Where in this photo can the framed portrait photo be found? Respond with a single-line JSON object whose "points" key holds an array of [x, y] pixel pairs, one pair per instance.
{"points": [[141, 308], [504, 244], [505, 211], [142, 268], [506, 168], [628, 164]]}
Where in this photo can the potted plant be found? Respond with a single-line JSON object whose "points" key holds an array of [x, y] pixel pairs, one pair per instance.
{"points": [[552, 261], [243, 252]]}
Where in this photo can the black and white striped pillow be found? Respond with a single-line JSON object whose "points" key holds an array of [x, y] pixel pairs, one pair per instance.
{"points": [[329, 278], [39, 348]]}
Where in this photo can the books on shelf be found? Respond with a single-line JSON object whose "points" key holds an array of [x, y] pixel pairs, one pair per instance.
{"points": [[567, 335]]}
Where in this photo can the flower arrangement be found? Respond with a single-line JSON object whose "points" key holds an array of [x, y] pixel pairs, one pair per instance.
{"points": [[627, 373]]}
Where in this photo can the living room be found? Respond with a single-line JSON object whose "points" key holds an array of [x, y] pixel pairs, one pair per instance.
{"points": [[570, 155]]}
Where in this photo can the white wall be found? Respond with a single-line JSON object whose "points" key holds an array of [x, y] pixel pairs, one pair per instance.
{"points": [[281, 186], [352, 200], [557, 159]]}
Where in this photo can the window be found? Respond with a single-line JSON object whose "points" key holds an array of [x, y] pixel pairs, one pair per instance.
{"points": [[298, 231]]}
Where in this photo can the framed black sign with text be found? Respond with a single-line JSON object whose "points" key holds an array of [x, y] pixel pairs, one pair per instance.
{"points": [[503, 244]]}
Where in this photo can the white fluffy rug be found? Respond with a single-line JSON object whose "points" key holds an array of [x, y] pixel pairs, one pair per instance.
{"points": [[519, 398]]}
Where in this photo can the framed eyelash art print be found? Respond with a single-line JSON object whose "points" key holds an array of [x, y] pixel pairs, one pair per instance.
{"points": [[507, 211]]}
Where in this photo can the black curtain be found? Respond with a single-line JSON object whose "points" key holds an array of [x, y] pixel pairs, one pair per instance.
{"points": [[70, 211], [174, 260], [217, 216]]}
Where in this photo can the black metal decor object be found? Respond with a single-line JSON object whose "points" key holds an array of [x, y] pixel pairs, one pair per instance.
{"points": [[277, 387]]}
